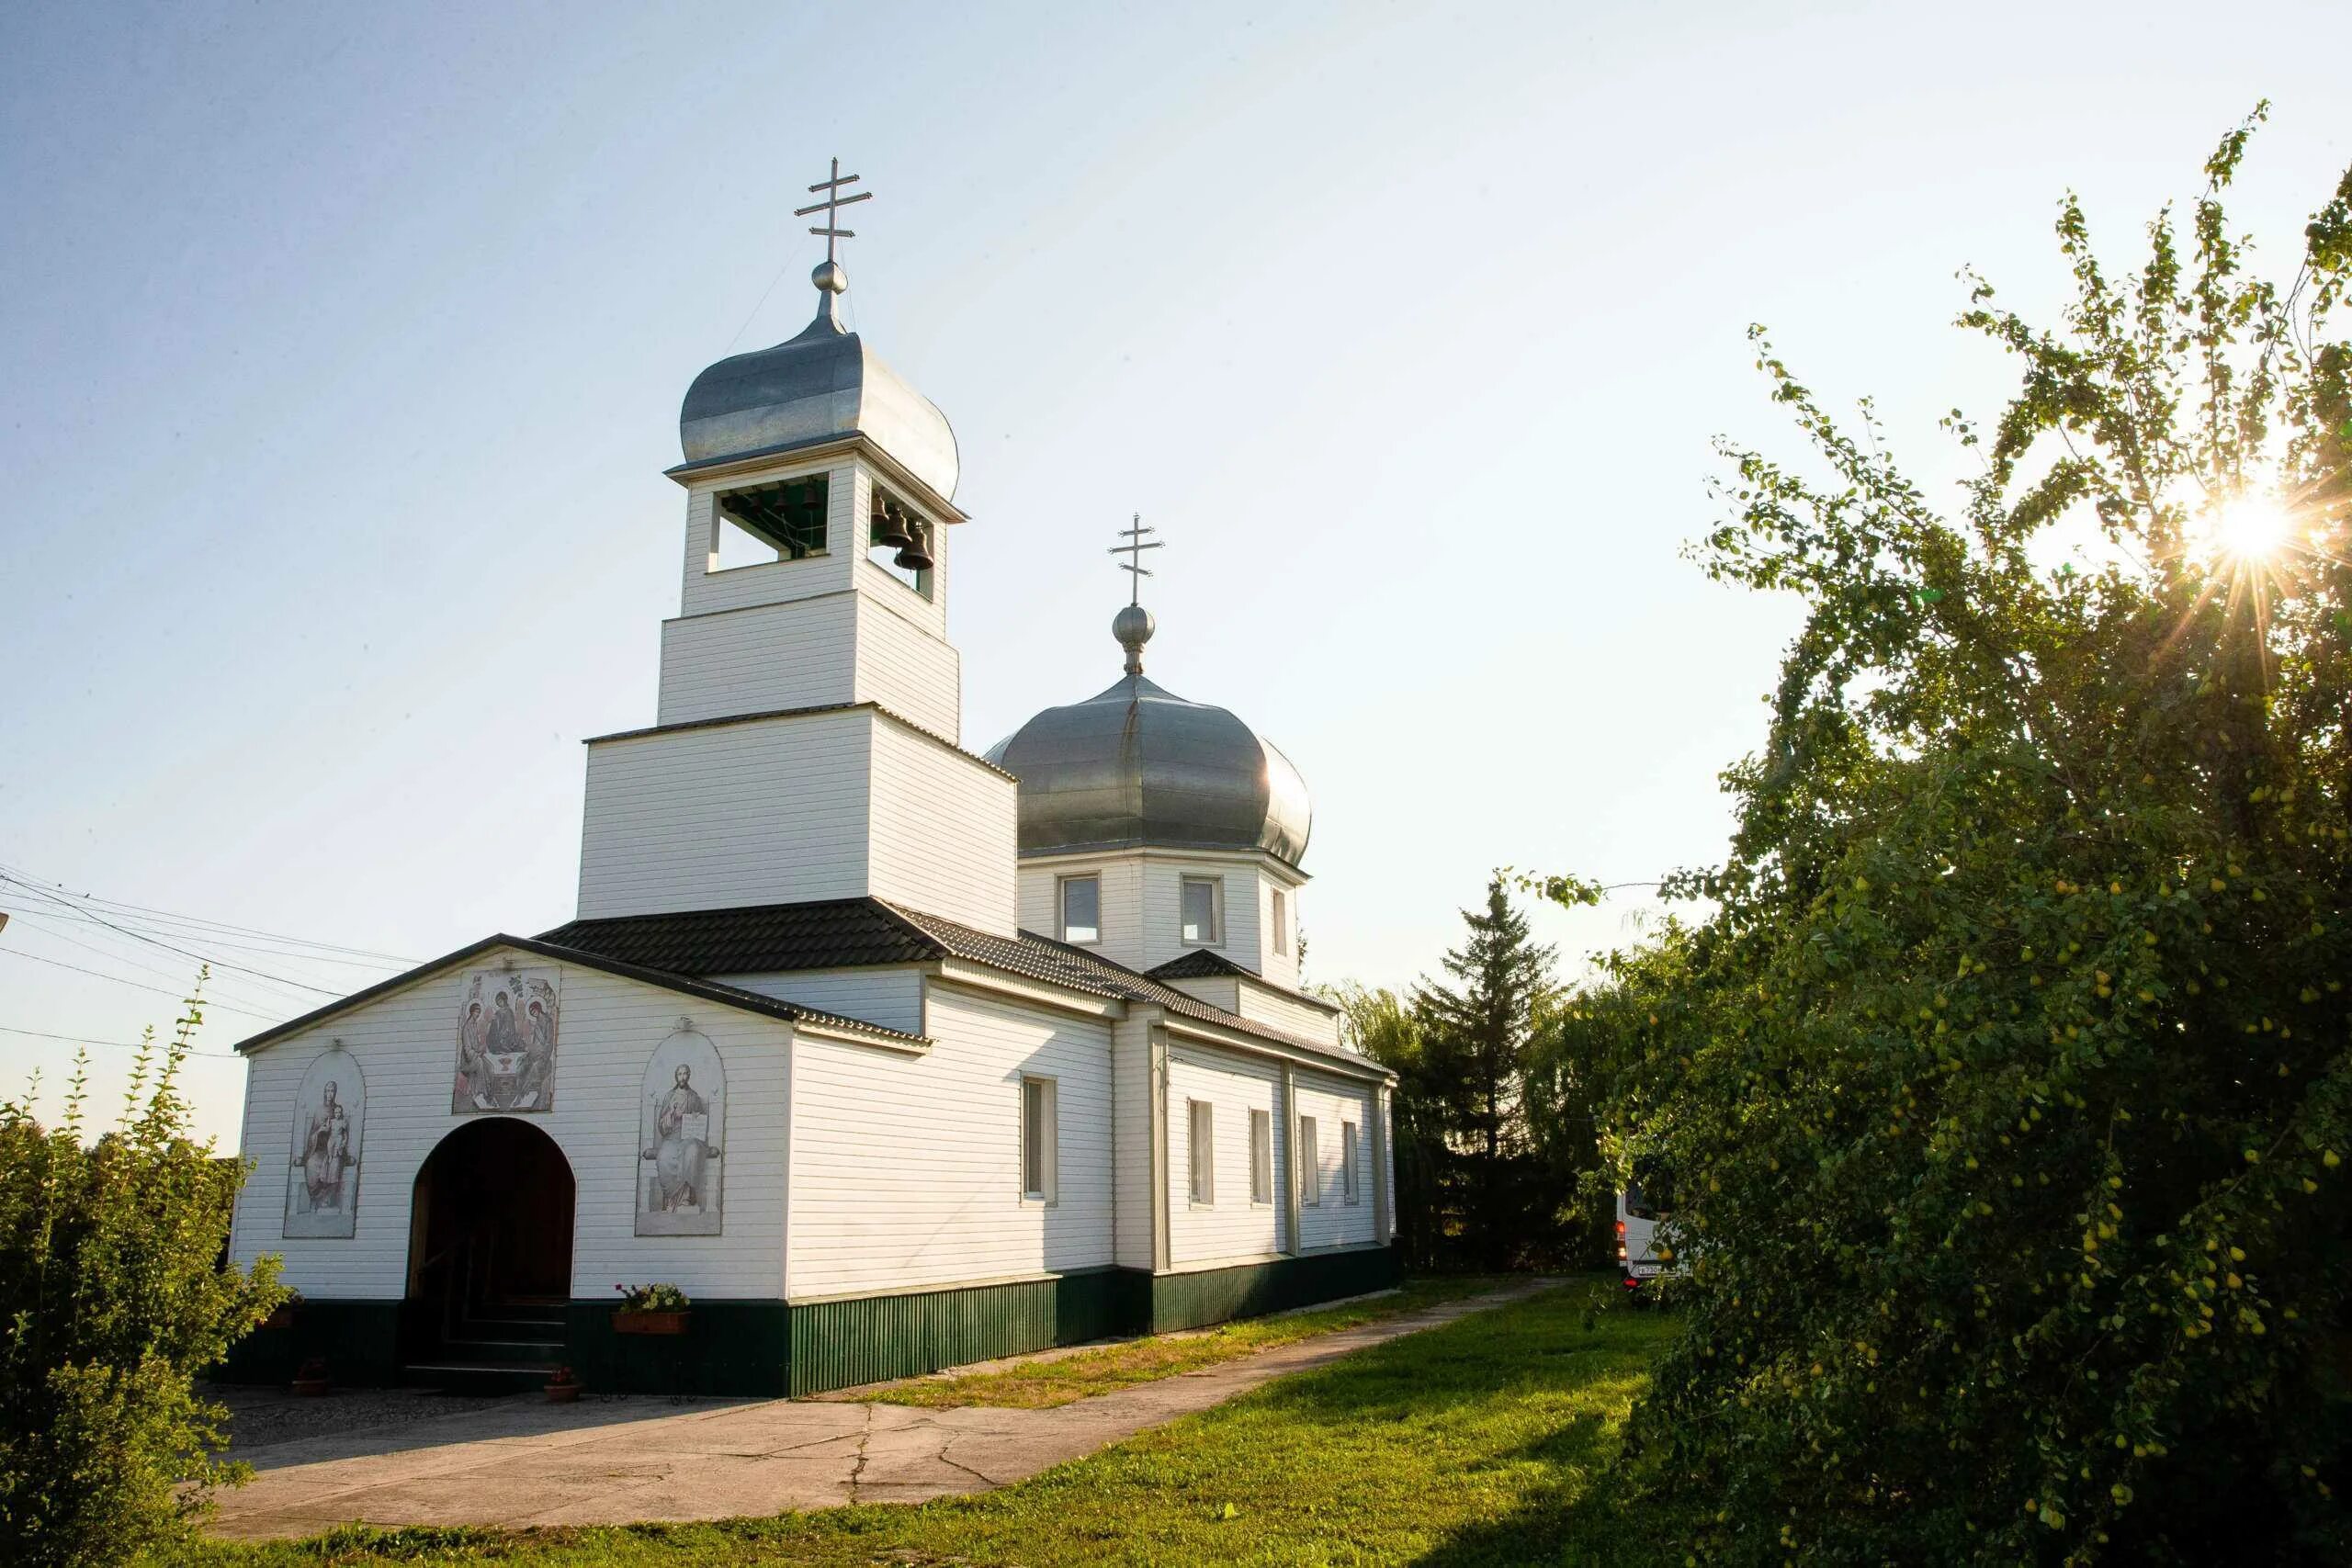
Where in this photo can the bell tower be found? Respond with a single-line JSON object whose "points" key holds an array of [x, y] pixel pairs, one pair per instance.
{"points": [[820, 493]]}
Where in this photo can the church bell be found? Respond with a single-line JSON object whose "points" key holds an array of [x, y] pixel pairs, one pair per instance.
{"points": [[914, 555], [888, 528]]}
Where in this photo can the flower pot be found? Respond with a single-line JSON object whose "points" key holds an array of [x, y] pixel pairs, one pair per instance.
{"points": [[648, 1323], [563, 1393], [310, 1387]]}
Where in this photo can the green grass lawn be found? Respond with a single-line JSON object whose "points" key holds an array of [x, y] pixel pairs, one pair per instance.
{"points": [[1043, 1383], [1491, 1441]]}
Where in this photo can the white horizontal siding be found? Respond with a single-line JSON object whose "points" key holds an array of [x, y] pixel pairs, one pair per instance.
{"points": [[901, 664], [1122, 902], [889, 996], [798, 654], [1232, 1225], [1282, 968], [406, 1045], [1217, 990], [1266, 1005], [944, 827], [906, 1169], [1335, 1222], [769, 812]]}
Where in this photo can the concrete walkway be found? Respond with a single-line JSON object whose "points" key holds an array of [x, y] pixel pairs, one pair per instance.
{"points": [[522, 1462]]}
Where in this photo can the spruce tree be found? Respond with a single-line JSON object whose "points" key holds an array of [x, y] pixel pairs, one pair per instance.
{"points": [[1477, 1031]]}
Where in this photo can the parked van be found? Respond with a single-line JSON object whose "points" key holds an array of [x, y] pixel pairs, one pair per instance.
{"points": [[1642, 1205]]}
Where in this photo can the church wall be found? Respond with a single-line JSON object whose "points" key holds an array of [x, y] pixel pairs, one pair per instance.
{"points": [[1267, 1006], [767, 812], [758, 660], [1121, 901], [1282, 968], [892, 997], [405, 1044], [944, 828], [901, 665], [1130, 1132], [1217, 990], [1163, 875], [1335, 1222], [907, 1168], [1232, 1226]]}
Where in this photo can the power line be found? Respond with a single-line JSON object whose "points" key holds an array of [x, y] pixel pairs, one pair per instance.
{"points": [[215, 940], [117, 1044], [21, 875], [157, 941], [230, 1000], [135, 985]]}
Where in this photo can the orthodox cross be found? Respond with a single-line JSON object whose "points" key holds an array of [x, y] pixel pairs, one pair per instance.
{"points": [[831, 206], [1132, 549]]}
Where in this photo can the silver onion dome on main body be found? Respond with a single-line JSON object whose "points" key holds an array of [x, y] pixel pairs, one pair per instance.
{"points": [[1137, 766], [818, 387]]}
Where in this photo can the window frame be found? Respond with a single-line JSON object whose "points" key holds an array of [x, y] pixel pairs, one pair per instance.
{"points": [[1262, 1158], [1350, 1142], [1048, 1192], [1310, 1164], [1061, 907], [1216, 885], [789, 547], [1200, 1153], [1281, 923]]}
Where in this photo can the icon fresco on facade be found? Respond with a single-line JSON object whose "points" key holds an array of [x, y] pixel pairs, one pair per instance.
{"points": [[322, 1182], [681, 1115], [506, 1040]]}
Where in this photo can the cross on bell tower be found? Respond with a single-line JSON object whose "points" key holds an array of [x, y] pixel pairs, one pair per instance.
{"points": [[829, 278]]}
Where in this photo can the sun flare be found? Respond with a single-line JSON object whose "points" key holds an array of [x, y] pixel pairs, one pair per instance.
{"points": [[2250, 527]]}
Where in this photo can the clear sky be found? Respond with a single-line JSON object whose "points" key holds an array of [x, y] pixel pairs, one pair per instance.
{"points": [[341, 350]]}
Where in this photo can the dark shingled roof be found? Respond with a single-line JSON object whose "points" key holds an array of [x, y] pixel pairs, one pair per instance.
{"points": [[857, 932], [1200, 963]]}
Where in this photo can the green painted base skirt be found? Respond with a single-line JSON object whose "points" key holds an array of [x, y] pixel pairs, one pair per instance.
{"points": [[774, 1348]]}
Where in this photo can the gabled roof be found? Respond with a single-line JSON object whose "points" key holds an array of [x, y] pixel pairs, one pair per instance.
{"points": [[1200, 963], [857, 932], [706, 991]]}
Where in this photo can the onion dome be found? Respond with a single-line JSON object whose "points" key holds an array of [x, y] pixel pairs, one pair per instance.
{"points": [[1135, 765], [818, 387]]}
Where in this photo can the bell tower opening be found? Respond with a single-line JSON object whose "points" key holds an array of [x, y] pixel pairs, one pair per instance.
{"points": [[768, 523]]}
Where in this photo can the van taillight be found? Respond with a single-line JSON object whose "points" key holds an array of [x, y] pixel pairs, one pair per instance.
{"points": [[1621, 1241]]}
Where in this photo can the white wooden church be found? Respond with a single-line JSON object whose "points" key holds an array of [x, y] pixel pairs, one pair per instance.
{"points": [[891, 1055]]}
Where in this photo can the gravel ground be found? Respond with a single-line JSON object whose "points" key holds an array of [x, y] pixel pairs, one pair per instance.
{"points": [[259, 1417]]}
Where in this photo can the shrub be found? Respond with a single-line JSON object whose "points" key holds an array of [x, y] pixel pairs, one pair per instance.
{"points": [[114, 1295]]}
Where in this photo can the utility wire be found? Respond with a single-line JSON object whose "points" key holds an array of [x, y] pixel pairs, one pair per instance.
{"points": [[20, 874], [119, 1044], [157, 941], [135, 985], [230, 1000]]}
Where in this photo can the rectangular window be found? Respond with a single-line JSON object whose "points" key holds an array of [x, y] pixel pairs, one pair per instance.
{"points": [[1037, 1138], [1204, 898], [1202, 1150], [1310, 1165], [1281, 921], [1347, 1162], [1262, 1157], [783, 521], [1081, 900]]}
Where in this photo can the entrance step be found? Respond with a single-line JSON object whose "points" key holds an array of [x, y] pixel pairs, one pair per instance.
{"points": [[477, 1377], [498, 1351]]}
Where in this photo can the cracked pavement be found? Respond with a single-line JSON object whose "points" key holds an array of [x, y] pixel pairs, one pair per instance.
{"points": [[521, 1462]]}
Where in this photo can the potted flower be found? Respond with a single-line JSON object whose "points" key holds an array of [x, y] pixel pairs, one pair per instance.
{"points": [[310, 1378], [650, 1309], [564, 1388], [282, 1314]]}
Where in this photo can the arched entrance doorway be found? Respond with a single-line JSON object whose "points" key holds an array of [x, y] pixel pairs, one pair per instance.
{"points": [[490, 1252]]}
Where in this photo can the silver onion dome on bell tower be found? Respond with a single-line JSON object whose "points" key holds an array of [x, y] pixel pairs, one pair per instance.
{"points": [[1137, 766]]}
